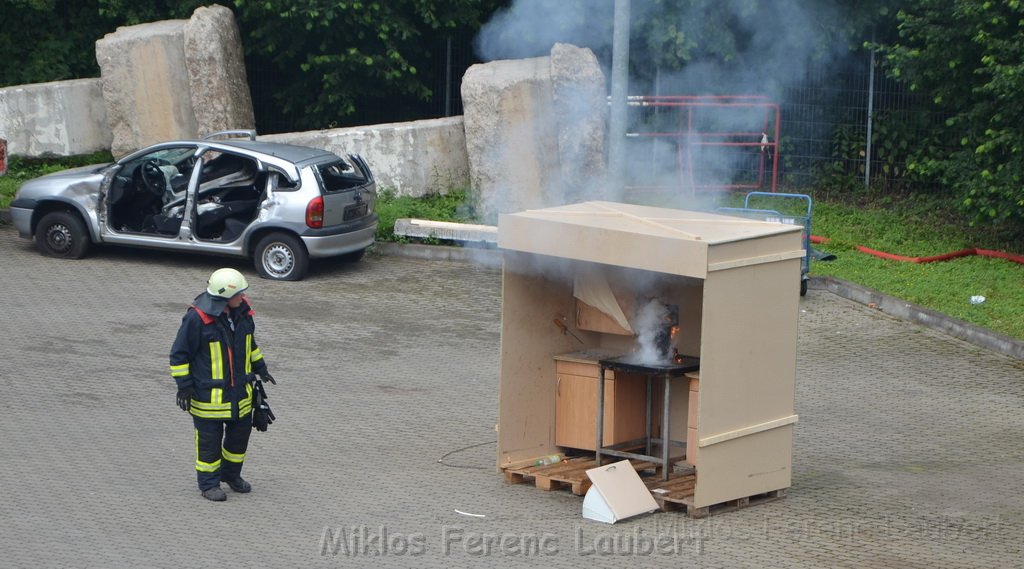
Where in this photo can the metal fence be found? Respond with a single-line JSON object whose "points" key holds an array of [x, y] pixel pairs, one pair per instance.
{"points": [[832, 123], [828, 124], [817, 134]]}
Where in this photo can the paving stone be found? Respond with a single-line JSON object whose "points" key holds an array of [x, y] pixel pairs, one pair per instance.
{"points": [[908, 451]]}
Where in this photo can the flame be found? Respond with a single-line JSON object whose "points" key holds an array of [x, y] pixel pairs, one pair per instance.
{"points": [[675, 330]]}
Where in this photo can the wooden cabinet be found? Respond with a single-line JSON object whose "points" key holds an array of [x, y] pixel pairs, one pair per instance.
{"points": [[625, 400]]}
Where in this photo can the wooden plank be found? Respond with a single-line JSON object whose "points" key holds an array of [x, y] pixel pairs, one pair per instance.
{"points": [[758, 428]]}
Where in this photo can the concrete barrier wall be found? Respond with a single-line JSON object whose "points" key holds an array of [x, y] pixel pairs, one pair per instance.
{"points": [[412, 158], [66, 118], [61, 118]]}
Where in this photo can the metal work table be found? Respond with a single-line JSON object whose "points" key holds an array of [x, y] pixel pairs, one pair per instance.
{"points": [[665, 370]]}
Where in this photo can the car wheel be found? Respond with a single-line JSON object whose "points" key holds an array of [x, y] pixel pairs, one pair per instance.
{"points": [[354, 256], [281, 257], [62, 234]]}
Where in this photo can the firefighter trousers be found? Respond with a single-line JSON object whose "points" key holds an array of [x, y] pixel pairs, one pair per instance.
{"points": [[220, 449]]}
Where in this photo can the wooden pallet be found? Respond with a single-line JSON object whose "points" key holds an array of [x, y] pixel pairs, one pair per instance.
{"points": [[672, 494], [674, 501], [676, 493], [571, 474]]}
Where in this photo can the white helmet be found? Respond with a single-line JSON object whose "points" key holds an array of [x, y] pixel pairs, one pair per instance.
{"points": [[225, 283]]}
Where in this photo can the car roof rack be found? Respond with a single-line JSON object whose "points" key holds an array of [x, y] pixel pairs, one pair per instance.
{"points": [[247, 133]]}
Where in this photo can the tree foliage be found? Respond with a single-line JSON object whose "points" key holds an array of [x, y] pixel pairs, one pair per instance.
{"points": [[319, 59], [968, 57], [49, 40]]}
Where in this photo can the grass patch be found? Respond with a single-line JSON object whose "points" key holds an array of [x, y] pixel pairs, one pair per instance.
{"points": [[916, 226], [20, 170], [454, 205]]}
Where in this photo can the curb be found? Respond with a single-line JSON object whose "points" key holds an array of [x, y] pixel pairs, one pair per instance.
{"points": [[904, 310], [486, 256]]}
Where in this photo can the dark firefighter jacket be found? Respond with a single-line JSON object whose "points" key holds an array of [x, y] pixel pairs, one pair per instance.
{"points": [[218, 360]]}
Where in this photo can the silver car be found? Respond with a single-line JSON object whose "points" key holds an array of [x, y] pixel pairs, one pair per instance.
{"points": [[228, 193]]}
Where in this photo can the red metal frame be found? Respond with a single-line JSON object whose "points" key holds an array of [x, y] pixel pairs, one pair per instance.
{"points": [[689, 137]]}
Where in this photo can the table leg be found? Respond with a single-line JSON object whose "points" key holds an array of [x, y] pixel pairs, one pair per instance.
{"points": [[666, 422], [647, 416]]}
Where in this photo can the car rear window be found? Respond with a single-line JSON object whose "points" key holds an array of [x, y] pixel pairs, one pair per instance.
{"points": [[340, 175]]}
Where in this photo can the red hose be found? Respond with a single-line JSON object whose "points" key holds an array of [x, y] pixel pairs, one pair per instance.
{"points": [[932, 259], [935, 258]]}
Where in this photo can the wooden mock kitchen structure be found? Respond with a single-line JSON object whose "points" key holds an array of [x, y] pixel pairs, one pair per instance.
{"points": [[576, 279]]}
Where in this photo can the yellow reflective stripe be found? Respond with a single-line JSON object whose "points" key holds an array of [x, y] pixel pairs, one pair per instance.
{"points": [[232, 457], [211, 414], [216, 362], [179, 370], [245, 405], [210, 406], [257, 355], [248, 353], [205, 466], [216, 402]]}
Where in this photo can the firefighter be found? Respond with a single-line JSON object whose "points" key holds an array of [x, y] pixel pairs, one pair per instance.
{"points": [[215, 361]]}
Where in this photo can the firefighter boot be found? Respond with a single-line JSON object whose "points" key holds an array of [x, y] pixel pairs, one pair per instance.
{"points": [[215, 494], [239, 485]]}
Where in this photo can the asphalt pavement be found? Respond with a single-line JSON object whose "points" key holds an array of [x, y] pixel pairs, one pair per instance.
{"points": [[908, 452]]}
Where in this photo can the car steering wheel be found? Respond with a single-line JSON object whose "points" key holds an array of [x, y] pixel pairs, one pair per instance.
{"points": [[153, 177]]}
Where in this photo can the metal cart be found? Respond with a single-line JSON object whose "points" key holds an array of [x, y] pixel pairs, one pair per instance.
{"points": [[779, 217]]}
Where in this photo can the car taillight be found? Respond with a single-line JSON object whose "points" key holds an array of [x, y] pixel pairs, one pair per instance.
{"points": [[315, 213]]}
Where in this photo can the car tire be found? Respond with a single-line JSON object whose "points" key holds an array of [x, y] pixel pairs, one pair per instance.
{"points": [[281, 257], [62, 234], [354, 256]]}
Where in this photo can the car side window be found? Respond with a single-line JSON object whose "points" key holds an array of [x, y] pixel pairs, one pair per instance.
{"points": [[279, 181]]}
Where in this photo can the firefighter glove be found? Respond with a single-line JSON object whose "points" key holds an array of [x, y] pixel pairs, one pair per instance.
{"points": [[265, 376], [261, 419], [185, 396]]}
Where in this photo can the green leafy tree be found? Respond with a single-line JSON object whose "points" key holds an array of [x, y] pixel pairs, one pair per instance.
{"points": [[131, 12], [968, 57], [319, 60], [49, 40]]}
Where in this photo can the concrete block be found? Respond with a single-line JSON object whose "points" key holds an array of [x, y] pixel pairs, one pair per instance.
{"points": [[174, 79], [412, 158], [60, 118], [581, 111], [216, 71], [144, 75], [511, 138], [535, 130]]}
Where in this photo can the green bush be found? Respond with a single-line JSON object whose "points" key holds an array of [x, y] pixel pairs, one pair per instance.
{"points": [[455, 205], [20, 170]]}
